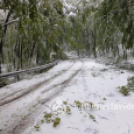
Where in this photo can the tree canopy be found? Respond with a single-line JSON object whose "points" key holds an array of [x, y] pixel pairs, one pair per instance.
{"points": [[37, 31]]}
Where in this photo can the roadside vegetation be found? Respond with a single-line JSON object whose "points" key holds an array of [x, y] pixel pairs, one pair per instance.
{"points": [[129, 87]]}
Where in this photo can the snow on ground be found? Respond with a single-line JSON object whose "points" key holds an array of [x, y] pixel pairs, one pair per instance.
{"points": [[22, 87], [26, 103], [94, 85]]}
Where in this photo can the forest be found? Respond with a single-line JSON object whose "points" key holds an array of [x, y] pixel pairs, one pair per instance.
{"points": [[35, 32]]}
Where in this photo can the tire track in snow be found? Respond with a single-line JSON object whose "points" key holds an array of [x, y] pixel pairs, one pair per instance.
{"points": [[19, 125], [58, 89], [18, 94]]}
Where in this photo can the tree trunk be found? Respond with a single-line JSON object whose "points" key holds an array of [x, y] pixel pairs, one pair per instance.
{"points": [[87, 42], [14, 55], [78, 48], [0, 59], [78, 52], [118, 51], [37, 55], [125, 54], [32, 51], [94, 43], [21, 49], [133, 52], [2, 38]]}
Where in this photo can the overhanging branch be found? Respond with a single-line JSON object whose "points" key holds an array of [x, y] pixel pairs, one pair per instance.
{"points": [[12, 21]]}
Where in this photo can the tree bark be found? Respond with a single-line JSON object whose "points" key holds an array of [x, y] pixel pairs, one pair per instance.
{"points": [[37, 55], [87, 42], [125, 54], [133, 52], [2, 38], [31, 54], [21, 49], [78, 52], [94, 43]]}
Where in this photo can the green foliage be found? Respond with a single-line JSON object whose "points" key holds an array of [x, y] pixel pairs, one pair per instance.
{"points": [[65, 103], [59, 7], [39, 29], [104, 69], [92, 117], [124, 90], [68, 110], [56, 122], [115, 17], [37, 128], [42, 28], [47, 117], [42, 121], [130, 83], [104, 98], [130, 79]]}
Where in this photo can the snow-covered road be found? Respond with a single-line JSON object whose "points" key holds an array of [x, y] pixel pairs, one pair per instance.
{"points": [[75, 83]]}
